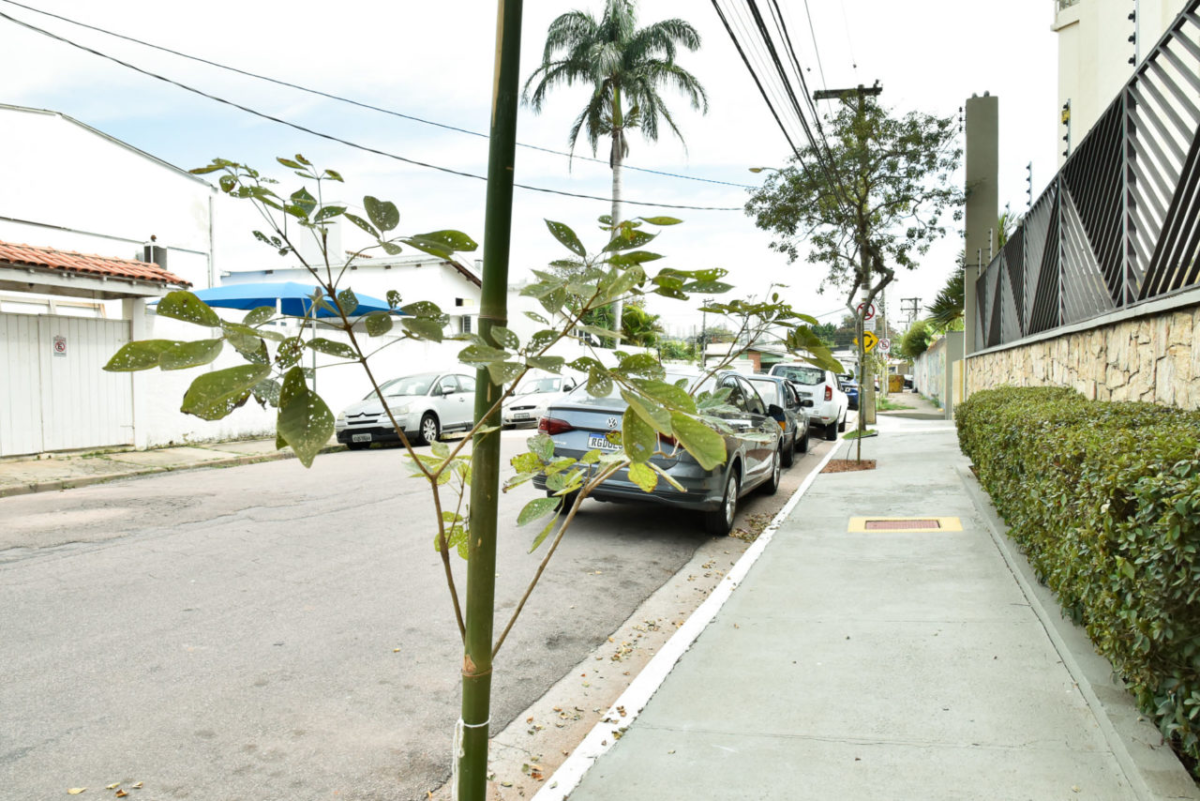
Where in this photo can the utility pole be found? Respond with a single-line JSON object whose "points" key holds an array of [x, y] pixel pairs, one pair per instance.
{"points": [[866, 406], [471, 735], [911, 312]]}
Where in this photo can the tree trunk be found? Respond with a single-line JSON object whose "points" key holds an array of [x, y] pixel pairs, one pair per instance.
{"points": [[618, 150]]}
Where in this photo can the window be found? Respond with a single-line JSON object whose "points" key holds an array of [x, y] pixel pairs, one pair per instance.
{"points": [[467, 383], [737, 397], [754, 403], [801, 375], [465, 324], [448, 385]]}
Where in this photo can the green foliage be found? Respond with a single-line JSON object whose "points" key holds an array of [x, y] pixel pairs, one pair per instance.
{"points": [[1104, 498], [916, 340]]}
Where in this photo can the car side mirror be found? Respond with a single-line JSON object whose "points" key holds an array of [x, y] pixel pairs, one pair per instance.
{"points": [[776, 412]]}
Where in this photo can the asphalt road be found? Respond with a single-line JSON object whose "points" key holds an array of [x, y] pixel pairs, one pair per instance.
{"points": [[269, 632]]}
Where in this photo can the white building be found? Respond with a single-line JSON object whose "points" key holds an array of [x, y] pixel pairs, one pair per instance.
{"points": [[1096, 40]]}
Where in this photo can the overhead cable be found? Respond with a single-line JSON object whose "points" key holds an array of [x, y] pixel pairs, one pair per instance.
{"points": [[352, 102], [339, 140]]}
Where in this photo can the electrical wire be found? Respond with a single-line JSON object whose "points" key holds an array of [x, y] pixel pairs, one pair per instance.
{"points": [[346, 142], [816, 50], [352, 102]]}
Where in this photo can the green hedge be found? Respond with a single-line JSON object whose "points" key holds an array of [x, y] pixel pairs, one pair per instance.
{"points": [[1104, 499]]}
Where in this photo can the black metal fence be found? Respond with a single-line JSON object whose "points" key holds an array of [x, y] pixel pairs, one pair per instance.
{"points": [[1120, 223]]}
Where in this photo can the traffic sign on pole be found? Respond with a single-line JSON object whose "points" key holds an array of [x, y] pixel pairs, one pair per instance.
{"points": [[869, 313], [885, 345], [869, 341]]}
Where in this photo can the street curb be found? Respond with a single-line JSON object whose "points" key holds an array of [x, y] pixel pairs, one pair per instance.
{"points": [[601, 738], [1150, 766], [86, 481]]}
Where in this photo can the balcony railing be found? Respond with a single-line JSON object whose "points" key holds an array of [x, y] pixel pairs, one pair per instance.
{"points": [[1119, 224], [1060, 5]]}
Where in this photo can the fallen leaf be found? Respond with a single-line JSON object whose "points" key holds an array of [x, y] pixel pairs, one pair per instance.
{"points": [[137, 786], [395, 650], [121, 793], [113, 786], [76, 790]]}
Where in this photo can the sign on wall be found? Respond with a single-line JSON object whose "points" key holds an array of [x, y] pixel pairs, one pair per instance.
{"points": [[60, 345]]}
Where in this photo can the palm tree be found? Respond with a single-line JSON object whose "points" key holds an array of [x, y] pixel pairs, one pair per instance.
{"points": [[948, 307], [626, 67]]}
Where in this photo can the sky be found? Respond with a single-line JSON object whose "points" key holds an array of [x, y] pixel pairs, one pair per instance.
{"points": [[435, 61]]}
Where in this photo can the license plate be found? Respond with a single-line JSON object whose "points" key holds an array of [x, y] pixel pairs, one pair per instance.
{"points": [[360, 437], [602, 443], [522, 416]]}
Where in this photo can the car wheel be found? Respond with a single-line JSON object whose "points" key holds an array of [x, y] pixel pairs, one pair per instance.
{"points": [[831, 432], [789, 453], [719, 522], [358, 446], [803, 446], [429, 428], [772, 485], [842, 425]]}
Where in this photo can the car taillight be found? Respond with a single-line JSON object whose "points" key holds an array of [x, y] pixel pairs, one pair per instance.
{"points": [[828, 392], [552, 426]]}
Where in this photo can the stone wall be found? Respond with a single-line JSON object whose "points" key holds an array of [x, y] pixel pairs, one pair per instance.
{"points": [[1151, 358]]}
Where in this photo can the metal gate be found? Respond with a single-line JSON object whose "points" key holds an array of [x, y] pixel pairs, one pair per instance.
{"points": [[54, 394]]}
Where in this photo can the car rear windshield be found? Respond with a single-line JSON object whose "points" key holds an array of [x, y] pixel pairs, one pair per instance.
{"points": [[770, 391], [538, 385], [801, 375]]}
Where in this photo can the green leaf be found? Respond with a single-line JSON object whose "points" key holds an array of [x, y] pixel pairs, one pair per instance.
{"points": [[545, 532], [259, 315], [181, 305], [505, 338], [667, 394], [618, 282], [393, 298], [537, 318], [383, 213], [422, 308], [303, 160], [666, 476], [267, 393], [551, 364], [305, 421], [334, 175], [348, 301], [304, 202], [247, 331], [424, 328], [442, 243], [378, 323], [585, 364], [363, 224], [661, 220], [182, 355], [599, 383], [295, 165], [503, 372], [567, 237], [634, 257], [290, 351], [252, 349], [705, 445], [440, 449], [591, 457], [391, 248], [656, 417], [643, 364], [707, 287], [637, 436], [643, 476], [134, 356], [481, 354], [628, 240], [329, 212], [542, 445], [214, 395], [537, 508], [331, 348]]}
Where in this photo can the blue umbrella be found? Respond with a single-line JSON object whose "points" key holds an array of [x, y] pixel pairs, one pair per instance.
{"points": [[293, 299]]}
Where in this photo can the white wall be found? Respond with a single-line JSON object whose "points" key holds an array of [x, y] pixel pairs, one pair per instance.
{"points": [[58, 173], [1094, 51]]}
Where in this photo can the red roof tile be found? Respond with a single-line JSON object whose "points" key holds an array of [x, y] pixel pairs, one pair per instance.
{"points": [[49, 258]]}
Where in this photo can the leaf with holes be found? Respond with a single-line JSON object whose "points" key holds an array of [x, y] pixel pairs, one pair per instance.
{"points": [[182, 355], [331, 348], [505, 338], [422, 308], [363, 224], [259, 315], [213, 396], [134, 356], [545, 532], [266, 392], [305, 421], [551, 364], [662, 220], [537, 508], [442, 243], [599, 383], [481, 354], [503, 372], [628, 240], [637, 437], [667, 394], [302, 204], [329, 212], [705, 445], [656, 417], [567, 237], [537, 318], [383, 213], [424, 328], [348, 301], [181, 305], [378, 323]]}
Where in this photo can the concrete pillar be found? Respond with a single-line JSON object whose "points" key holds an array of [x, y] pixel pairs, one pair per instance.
{"points": [[983, 198], [134, 310]]}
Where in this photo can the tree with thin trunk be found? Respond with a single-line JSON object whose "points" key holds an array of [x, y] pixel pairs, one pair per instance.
{"points": [[627, 67]]}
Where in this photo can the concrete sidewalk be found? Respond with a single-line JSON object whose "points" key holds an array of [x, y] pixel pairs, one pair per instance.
{"points": [[59, 471], [885, 665]]}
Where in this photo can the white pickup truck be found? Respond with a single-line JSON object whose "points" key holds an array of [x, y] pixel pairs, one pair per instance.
{"points": [[830, 404]]}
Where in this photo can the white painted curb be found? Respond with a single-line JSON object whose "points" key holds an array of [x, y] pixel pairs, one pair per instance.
{"points": [[601, 739]]}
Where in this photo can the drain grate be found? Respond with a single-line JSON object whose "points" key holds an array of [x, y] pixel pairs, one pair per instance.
{"points": [[921, 525], [900, 525]]}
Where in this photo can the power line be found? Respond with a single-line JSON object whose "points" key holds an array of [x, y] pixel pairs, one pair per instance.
{"points": [[816, 50], [352, 102], [341, 141]]}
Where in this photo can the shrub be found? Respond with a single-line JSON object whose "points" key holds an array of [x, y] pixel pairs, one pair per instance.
{"points": [[1104, 499]]}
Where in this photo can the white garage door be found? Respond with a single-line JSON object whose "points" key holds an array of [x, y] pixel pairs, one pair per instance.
{"points": [[54, 394]]}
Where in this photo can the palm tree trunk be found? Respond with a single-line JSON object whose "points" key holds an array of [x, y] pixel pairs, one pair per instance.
{"points": [[618, 149]]}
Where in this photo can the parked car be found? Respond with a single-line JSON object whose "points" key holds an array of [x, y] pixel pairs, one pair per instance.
{"points": [[424, 405], [908, 381], [794, 411], [579, 423], [850, 387], [532, 397], [830, 404]]}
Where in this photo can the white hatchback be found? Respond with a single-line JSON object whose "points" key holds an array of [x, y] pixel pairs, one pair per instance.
{"points": [[830, 403], [528, 404]]}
